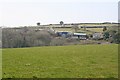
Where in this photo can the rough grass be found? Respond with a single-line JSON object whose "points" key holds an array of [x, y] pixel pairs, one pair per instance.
{"points": [[95, 29], [88, 30], [63, 29], [78, 61]]}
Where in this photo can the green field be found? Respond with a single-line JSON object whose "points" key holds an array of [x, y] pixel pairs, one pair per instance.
{"points": [[78, 61], [95, 29], [87, 31]]}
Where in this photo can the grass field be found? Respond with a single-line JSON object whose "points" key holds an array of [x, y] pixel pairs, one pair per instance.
{"points": [[88, 30], [78, 61], [95, 29]]}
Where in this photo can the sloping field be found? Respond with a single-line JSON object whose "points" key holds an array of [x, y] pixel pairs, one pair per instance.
{"points": [[78, 61], [95, 29]]}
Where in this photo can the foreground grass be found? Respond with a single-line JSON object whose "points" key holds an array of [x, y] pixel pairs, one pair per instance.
{"points": [[79, 61]]}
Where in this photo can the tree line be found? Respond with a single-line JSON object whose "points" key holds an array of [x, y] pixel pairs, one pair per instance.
{"points": [[24, 37]]}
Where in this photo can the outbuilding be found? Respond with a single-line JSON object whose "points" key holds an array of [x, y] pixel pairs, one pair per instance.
{"points": [[64, 33], [82, 36], [97, 36]]}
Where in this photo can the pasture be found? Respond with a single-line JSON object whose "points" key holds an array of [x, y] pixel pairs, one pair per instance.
{"points": [[95, 29], [75, 61], [88, 30]]}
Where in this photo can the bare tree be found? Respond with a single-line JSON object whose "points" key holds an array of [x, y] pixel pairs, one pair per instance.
{"points": [[58, 41], [19, 38]]}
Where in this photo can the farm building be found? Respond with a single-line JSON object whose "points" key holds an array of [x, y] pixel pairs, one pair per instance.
{"points": [[97, 36], [80, 35], [64, 33]]}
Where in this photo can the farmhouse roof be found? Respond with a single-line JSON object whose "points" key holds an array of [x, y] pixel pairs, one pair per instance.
{"points": [[79, 34]]}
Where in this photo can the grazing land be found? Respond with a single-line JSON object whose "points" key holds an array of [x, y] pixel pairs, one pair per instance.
{"points": [[78, 61]]}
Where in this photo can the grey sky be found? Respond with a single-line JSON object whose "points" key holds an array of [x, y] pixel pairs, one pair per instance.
{"points": [[24, 12]]}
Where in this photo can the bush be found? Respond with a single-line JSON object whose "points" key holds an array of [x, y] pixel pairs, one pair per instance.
{"points": [[58, 41], [112, 35], [105, 35]]}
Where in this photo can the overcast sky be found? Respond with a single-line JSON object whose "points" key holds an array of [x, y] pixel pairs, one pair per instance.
{"points": [[29, 12]]}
